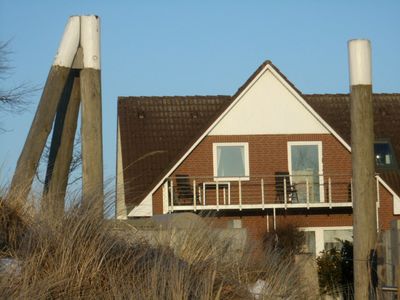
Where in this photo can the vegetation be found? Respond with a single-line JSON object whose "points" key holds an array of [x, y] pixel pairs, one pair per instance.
{"points": [[83, 257], [13, 99], [335, 271], [287, 239]]}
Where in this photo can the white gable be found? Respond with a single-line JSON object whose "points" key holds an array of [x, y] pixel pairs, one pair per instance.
{"points": [[144, 209], [269, 106]]}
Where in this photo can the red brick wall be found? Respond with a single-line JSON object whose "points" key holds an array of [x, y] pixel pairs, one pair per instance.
{"points": [[158, 202], [385, 209], [268, 154], [257, 225]]}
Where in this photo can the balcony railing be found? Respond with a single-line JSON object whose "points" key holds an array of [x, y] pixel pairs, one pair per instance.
{"points": [[258, 192]]}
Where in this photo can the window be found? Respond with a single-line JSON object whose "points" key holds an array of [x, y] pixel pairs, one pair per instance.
{"points": [[309, 243], [231, 161], [332, 238], [318, 239], [384, 157]]}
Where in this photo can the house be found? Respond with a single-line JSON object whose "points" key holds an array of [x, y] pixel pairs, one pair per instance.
{"points": [[264, 156]]}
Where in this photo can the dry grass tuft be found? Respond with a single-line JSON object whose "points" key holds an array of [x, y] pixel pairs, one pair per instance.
{"points": [[81, 256]]}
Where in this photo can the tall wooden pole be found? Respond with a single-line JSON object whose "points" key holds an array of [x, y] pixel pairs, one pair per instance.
{"points": [[62, 147], [45, 113], [91, 130], [363, 164]]}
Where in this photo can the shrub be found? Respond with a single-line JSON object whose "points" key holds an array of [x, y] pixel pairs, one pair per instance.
{"points": [[287, 239], [335, 271]]}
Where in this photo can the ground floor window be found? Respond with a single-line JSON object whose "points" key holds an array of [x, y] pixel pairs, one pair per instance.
{"points": [[309, 245], [332, 238], [318, 239]]}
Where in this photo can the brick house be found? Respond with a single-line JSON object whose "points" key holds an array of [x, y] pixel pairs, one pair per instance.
{"points": [[264, 156]]}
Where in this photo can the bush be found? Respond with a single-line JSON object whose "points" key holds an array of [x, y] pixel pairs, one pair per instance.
{"points": [[287, 239], [335, 271]]}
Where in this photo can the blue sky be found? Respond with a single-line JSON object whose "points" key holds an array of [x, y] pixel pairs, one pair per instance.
{"points": [[196, 48]]}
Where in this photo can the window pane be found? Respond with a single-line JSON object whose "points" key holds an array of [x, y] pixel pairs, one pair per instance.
{"points": [[231, 161], [332, 237], [309, 246], [383, 155]]}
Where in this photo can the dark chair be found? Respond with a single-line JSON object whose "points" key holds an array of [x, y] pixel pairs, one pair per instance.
{"points": [[184, 190], [291, 192]]}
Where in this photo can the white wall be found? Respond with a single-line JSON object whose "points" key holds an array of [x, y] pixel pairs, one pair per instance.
{"points": [[268, 107]]}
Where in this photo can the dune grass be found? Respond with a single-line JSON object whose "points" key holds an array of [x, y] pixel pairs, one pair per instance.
{"points": [[81, 256]]}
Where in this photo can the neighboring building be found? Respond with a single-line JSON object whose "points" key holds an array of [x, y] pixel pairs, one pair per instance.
{"points": [[264, 156]]}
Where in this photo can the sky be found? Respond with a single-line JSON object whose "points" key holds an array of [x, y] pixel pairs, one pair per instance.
{"points": [[195, 48]]}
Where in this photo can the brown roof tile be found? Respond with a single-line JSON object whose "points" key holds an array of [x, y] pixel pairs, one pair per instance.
{"points": [[155, 131], [335, 110]]}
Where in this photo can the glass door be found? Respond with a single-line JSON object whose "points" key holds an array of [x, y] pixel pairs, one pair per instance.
{"points": [[305, 167]]}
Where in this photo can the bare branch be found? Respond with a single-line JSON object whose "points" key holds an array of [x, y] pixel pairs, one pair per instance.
{"points": [[14, 99]]}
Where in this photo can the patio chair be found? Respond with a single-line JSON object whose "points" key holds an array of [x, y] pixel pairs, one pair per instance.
{"points": [[291, 191], [184, 189]]}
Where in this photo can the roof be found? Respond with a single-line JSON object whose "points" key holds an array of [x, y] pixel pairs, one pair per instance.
{"points": [[157, 131], [335, 110]]}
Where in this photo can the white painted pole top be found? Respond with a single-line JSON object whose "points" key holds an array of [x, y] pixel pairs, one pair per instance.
{"points": [[360, 62], [69, 43], [90, 41]]}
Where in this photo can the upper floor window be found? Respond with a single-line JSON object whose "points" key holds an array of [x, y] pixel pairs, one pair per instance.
{"points": [[384, 155], [231, 161]]}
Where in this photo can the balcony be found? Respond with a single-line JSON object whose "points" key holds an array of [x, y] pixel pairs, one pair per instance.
{"points": [[279, 191]]}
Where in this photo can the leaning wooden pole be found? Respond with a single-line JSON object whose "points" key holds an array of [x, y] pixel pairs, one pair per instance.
{"points": [[42, 123], [362, 138], [91, 130], [61, 149]]}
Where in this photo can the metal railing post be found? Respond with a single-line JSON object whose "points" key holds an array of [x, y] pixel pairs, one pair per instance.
{"points": [[262, 193], [351, 190], [194, 194], [172, 194], [240, 194], [307, 194], [378, 203], [217, 193], [284, 192], [330, 192]]}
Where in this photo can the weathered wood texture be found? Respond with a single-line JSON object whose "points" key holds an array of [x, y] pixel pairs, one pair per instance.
{"points": [[62, 146], [364, 187], [39, 131], [91, 135]]}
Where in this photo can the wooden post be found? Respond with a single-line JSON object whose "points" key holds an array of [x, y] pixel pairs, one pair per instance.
{"points": [[62, 147], [91, 130], [362, 138], [45, 113], [398, 280]]}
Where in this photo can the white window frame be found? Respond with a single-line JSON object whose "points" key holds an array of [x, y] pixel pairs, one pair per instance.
{"points": [[319, 235], [320, 163], [246, 162]]}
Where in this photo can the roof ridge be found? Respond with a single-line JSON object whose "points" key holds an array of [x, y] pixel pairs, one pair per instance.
{"points": [[173, 97], [347, 94]]}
